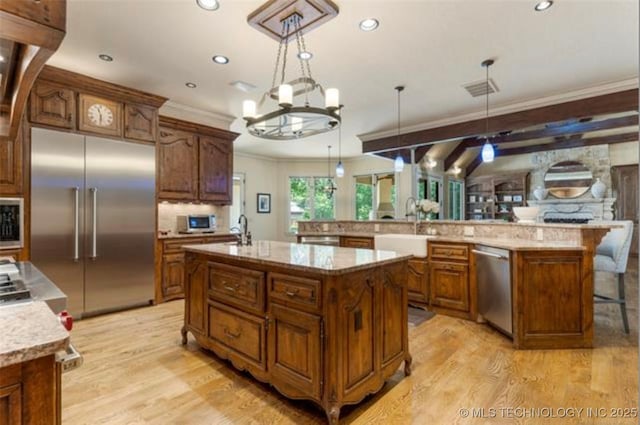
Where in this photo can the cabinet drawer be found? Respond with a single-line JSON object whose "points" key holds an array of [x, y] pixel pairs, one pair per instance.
{"points": [[355, 242], [241, 332], [237, 286], [174, 246], [296, 291], [448, 251], [219, 239]]}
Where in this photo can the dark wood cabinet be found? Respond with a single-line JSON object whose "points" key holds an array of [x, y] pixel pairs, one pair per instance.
{"points": [[216, 170], [195, 162], [295, 351], [356, 242], [625, 190], [418, 281], [450, 285], [140, 122], [177, 165], [173, 276], [11, 165], [30, 393], [53, 105]]}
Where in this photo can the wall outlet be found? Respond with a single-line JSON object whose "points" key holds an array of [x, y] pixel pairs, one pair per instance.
{"points": [[539, 234], [468, 230], [376, 227], [325, 227]]}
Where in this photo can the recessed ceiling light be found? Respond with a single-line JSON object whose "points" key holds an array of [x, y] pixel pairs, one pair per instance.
{"points": [[105, 58], [305, 56], [191, 85], [369, 24], [543, 5], [208, 4], [219, 59], [2, 58]]}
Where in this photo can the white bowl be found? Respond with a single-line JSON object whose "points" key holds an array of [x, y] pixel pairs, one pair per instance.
{"points": [[526, 214]]}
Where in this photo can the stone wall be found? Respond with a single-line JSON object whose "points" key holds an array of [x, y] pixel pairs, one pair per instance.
{"points": [[596, 158]]}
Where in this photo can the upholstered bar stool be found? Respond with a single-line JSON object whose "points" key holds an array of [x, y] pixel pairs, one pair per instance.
{"points": [[611, 256]]}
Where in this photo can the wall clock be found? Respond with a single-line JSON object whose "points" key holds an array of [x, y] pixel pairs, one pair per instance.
{"points": [[99, 115]]}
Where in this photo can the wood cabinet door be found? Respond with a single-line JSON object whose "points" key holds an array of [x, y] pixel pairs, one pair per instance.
{"points": [[172, 276], [177, 154], [625, 190], [216, 170], [295, 352], [418, 281], [11, 163], [11, 405], [353, 242], [140, 122], [53, 105], [449, 285], [196, 296]]}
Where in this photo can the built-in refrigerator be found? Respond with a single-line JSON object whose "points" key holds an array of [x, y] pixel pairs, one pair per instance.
{"points": [[93, 219]]}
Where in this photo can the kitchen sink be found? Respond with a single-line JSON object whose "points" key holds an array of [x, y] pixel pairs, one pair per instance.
{"points": [[415, 245]]}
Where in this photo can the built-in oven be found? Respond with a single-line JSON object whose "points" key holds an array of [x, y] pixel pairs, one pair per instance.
{"points": [[11, 223]]}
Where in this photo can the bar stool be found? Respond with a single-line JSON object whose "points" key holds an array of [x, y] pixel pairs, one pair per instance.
{"points": [[611, 256]]}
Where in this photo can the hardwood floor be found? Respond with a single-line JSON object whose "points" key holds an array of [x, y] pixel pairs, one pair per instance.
{"points": [[136, 372]]}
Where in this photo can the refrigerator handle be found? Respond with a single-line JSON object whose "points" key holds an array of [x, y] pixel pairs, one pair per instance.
{"points": [[76, 225], [94, 229]]}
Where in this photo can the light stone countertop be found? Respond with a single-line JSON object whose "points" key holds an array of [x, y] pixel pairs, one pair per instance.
{"points": [[30, 330], [591, 225], [511, 244], [319, 259], [194, 235]]}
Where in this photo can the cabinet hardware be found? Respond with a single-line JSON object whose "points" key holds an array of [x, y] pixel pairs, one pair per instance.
{"points": [[228, 287], [292, 293], [230, 334]]}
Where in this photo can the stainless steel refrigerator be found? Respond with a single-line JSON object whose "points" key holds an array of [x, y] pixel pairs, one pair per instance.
{"points": [[93, 219]]}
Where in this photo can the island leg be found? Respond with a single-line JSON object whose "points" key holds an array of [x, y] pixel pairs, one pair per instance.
{"points": [[407, 364], [183, 332], [333, 413]]}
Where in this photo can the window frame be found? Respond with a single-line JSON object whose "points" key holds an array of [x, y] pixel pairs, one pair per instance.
{"points": [[243, 198], [311, 181]]}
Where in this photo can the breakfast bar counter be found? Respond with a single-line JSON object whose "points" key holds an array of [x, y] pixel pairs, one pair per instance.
{"points": [[322, 323]]}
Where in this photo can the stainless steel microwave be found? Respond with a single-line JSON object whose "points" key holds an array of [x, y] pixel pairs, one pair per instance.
{"points": [[196, 223], [11, 223]]}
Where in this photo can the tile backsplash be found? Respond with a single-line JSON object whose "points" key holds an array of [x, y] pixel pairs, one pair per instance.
{"points": [[167, 213]]}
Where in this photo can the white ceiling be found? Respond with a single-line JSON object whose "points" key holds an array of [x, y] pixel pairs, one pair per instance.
{"points": [[431, 46]]}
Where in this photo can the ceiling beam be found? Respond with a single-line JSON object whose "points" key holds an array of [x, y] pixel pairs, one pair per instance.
{"points": [[623, 101], [574, 142], [451, 159], [421, 151]]}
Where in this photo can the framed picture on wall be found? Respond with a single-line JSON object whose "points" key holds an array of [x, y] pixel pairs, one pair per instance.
{"points": [[264, 203]]}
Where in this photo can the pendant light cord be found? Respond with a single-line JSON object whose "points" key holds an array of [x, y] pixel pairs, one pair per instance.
{"points": [[487, 104], [340, 138]]}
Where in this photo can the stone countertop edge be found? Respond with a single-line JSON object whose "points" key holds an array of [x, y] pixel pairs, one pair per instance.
{"points": [[474, 223], [202, 249], [194, 235], [30, 330], [511, 244]]}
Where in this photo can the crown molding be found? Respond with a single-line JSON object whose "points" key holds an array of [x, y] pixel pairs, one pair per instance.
{"points": [[189, 113], [602, 89]]}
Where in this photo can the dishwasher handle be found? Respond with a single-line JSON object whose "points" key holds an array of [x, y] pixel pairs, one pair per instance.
{"points": [[490, 254]]}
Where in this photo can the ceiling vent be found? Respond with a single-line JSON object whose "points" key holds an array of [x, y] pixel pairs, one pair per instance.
{"points": [[481, 88], [243, 86]]}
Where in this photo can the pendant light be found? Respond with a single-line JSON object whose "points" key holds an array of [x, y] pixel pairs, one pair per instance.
{"points": [[398, 164], [487, 149], [339, 166]]}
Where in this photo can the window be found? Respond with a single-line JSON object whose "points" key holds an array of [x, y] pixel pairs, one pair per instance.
{"points": [[456, 199], [431, 188], [237, 208], [375, 196], [309, 200]]}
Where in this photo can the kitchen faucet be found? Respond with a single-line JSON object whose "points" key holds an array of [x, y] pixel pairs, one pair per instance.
{"points": [[244, 230], [410, 201]]}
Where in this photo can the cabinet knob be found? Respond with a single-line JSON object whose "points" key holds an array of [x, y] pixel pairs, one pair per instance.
{"points": [[230, 334], [291, 293]]}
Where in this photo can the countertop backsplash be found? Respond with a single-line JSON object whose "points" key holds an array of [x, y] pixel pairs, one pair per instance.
{"points": [[167, 213]]}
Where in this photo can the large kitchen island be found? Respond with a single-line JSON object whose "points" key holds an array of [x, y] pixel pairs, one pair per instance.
{"points": [[322, 323]]}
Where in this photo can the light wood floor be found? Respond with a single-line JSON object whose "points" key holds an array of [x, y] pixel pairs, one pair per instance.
{"points": [[136, 372]]}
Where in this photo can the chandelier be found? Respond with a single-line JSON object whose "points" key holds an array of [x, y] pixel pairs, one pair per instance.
{"points": [[291, 121]]}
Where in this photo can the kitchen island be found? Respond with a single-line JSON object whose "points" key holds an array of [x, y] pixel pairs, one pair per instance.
{"points": [[322, 323]]}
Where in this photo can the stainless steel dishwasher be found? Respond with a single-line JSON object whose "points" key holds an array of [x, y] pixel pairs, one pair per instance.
{"points": [[493, 273]]}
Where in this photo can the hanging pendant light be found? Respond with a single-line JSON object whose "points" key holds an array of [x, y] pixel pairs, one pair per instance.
{"points": [[339, 166], [398, 164], [488, 153]]}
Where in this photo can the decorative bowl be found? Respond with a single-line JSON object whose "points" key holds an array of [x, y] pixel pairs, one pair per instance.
{"points": [[526, 214]]}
